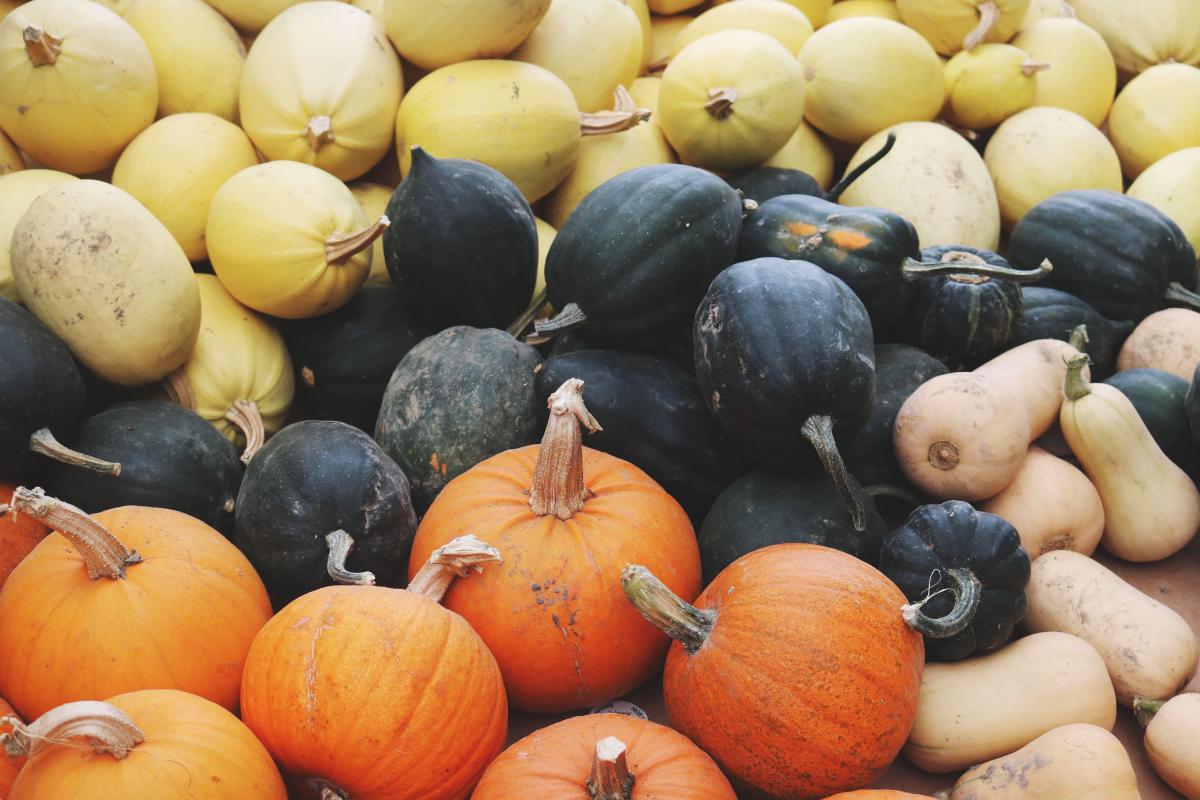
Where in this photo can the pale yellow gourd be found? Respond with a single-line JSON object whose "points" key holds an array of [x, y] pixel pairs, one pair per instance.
{"points": [[197, 54], [17, 191], [174, 168], [78, 84], [1172, 185], [988, 84], [239, 375], [953, 25], [1082, 76], [663, 31], [1071, 762], [251, 16], [1151, 506], [1168, 340], [302, 99], [373, 198], [642, 12], [290, 240], [1157, 113], [780, 20], [105, 276], [1042, 151], [816, 10], [1146, 32], [7, 6], [433, 35], [1046, 9], [372, 7], [667, 7], [119, 6], [808, 152], [1172, 741], [984, 707], [863, 8], [10, 156], [545, 233], [865, 74]]}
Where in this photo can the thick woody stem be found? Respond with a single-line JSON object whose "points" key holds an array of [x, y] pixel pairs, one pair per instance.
{"points": [[962, 263], [43, 443], [571, 316], [459, 558], [1075, 385], [104, 555], [558, 487], [340, 544], [341, 246], [662, 608], [105, 727], [610, 778], [720, 102], [989, 15], [1144, 709], [244, 414], [318, 132], [530, 313], [41, 47], [623, 116], [179, 389]]}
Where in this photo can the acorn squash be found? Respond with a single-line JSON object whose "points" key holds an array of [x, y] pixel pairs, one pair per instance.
{"points": [[433, 36], [1146, 33], [1156, 113], [990, 83], [1171, 184], [374, 197], [953, 25], [1082, 76], [17, 192], [779, 20], [1054, 314]]}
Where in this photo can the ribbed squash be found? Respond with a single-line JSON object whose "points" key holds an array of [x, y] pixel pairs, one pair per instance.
{"points": [[1082, 75], [17, 192], [663, 31], [731, 99], [433, 35], [990, 83], [780, 20], [1043, 151], [373, 198], [174, 168], [290, 240], [1171, 184], [807, 152], [78, 84], [1157, 113], [1145, 33], [303, 100], [593, 45], [197, 55], [866, 73], [815, 10], [953, 25], [863, 8], [10, 156]]}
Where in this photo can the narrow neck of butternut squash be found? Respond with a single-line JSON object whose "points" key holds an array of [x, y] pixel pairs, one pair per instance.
{"points": [[558, 487], [662, 608], [340, 543], [610, 778], [459, 558], [104, 555], [103, 727], [1075, 385]]}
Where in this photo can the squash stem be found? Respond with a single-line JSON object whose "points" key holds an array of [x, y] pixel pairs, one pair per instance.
{"points": [[1075, 385], [1144, 709], [571, 316], [318, 132], [1178, 293], [967, 591], [104, 555], [42, 442], [610, 778], [558, 488], [662, 608], [340, 544], [308, 377], [720, 102], [41, 47], [989, 15], [1033, 67], [104, 727], [1079, 337], [529, 314], [818, 429], [458, 558], [600, 123], [244, 414], [179, 389], [340, 246], [913, 270], [850, 177], [327, 790]]}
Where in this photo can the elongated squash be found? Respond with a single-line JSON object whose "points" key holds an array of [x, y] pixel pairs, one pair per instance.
{"points": [[953, 25], [1145, 33], [1082, 76], [1172, 185], [374, 197], [780, 20], [433, 35], [1173, 740], [17, 191]]}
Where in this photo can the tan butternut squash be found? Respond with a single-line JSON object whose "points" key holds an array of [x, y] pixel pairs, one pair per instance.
{"points": [[1168, 340], [981, 708], [1173, 740]]}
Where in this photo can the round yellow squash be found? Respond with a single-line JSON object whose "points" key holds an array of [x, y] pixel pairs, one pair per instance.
{"points": [[17, 191], [290, 240], [780, 20], [807, 152], [10, 156], [815, 10], [1043, 151], [1047, 9], [174, 168], [239, 375], [108, 279], [1082, 75], [730, 100], [642, 12], [953, 25], [373, 198], [863, 8], [1157, 113], [251, 16], [935, 180], [1144, 33], [663, 31], [667, 7], [989, 83], [77, 84], [302, 99], [1171, 184], [433, 35], [865, 74], [372, 7]]}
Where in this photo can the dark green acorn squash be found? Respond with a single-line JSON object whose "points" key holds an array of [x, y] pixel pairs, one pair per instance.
{"points": [[1119, 254], [1161, 401], [309, 480], [462, 246], [978, 558], [1192, 405], [674, 346], [457, 398], [634, 258], [1054, 314], [343, 360], [763, 183], [654, 417]]}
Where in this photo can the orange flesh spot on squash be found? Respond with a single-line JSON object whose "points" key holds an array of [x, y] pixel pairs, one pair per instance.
{"points": [[850, 240], [801, 228]]}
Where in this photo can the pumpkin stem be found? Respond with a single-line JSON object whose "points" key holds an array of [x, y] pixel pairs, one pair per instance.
{"points": [[41, 47], [179, 389], [967, 591], [42, 442], [340, 246], [962, 263], [1075, 385], [318, 132], [818, 429], [989, 15], [611, 778], [1178, 293], [1143, 708], [850, 177], [244, 414], [571, 316], [662, 608], [104, 555], [720, 102], [107, 730], [529, 314], [327, 790], [1079, 337], [460, 557], [623, 116], [340, 544], [558, 486], [1031, 67]]}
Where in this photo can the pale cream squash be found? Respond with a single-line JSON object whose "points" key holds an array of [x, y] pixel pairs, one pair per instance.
{"points": [[17, 191], [372, 7], [7, 6], [989, 83], [10, 156], [1047, 9], [1144, 33], [374, 197], [1156, 113], [672, 6], [807, 152], [863, 8], [815, 10], [174, 168], [663, 31], [780, 20], [953, 25], [119, 6], [1082, 75], [1168, 340], [642, 12], [78, 84], [1172, 185], [545, 233], [251, 16], [1172, 741], [433, 35]]}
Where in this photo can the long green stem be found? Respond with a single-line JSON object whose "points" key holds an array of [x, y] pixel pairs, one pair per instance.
{"points": [[966, 589], [913, 270], [1075, 385], [818, 429], [662, 608], [850, 177]]}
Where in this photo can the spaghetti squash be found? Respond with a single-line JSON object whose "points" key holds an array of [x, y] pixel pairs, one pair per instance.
{"points": [[780, 20], [10, 156], [17, 191], [1157, 113], [807, 152], [816, 10], [988, 84], [1171, 184], [251, 16], [1082, 75], [1144, 33], [953, 25], [863, 8], [433, 35]]}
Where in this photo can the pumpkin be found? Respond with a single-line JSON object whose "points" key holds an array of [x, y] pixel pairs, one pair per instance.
{"points": [[990, 83], [79, 83], [109, 280], [1160, 399], [1155, 32], [289, 240], [373, 198], [865, 74], [1156, 114], [736, 654], [438, 710], [1054, 314], [315, 109], [10, 157], [168, 603], [567, 519], [1041, 152], [1170, 740], [174, 168], [1082, 76], [250, 16], [1167, 184], [9, 767], [197, 55], [953, 25], [780, 20], [806, 151], [817, 11], [18, 536], [148, 724], [844, 9], [610, 756], [460, 30], [17, 191]]}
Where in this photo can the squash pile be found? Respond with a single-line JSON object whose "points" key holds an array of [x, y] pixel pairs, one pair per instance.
{"points": [[389, 388]]}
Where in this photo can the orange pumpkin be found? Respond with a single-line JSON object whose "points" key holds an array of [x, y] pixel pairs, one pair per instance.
{"points": [[369, 693], [878, 794], [633, 758], [18, 535], [159, 743], [567, 519], [9, 767], [794, 670], [131, 598]]}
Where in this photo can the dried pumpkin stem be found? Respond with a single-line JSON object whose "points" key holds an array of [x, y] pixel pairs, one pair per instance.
{"points": [[989, 15], [327, 790], [966, 589], [818, 430], [106, 728], [318, 132], [340, 543], [245, 415], [662, 608], [1033, 67], [720, 102], [459, 558], [599, 123], [179, 389], [558, 487], [571, 316], [1144, 708], [960, 263], [850, 177], [530, 313], [1178, 293], [41, 47], [610, 778], [1075, 385], [104, 555], [1079, 337], [341, 246], [43, 443]]}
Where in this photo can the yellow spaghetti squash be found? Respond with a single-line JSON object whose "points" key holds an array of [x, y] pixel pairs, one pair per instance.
{"points": [[816, 10], [1157, 113], [251, 16], [953, 25], [374, 197], [1171, 184], [863, 8], [783, 21], [989, 83], [17, 191], [807, 152], [433, 35], [1143, 33], [10, 157], [1082, 75]]}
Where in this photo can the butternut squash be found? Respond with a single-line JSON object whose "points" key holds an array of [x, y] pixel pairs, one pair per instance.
{"points": [[974, 710], [1172, 740], [17, 191], [1151, 506], [1168, 340]]}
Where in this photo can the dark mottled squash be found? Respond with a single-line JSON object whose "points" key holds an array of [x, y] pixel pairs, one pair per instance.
{"points": [[1054, 314], [654, 417], [462, 246], [762, 183], [457, 398], [344, 360], [675, 346], [309, 480], [1161, 401]]}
